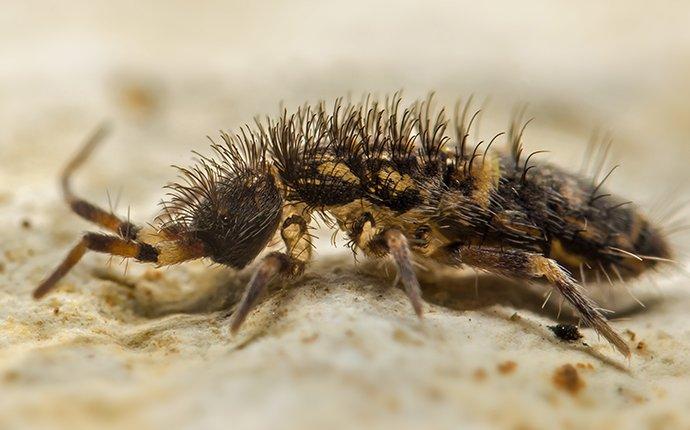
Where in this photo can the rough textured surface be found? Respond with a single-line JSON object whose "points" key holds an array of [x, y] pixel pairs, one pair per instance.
{"points": [[341, 347]]}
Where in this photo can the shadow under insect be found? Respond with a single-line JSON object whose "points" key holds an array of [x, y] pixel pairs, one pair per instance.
{"points": [[219, 290]]}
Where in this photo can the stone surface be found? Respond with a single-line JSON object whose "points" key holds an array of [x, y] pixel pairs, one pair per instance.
{"points": [[340, 348]]}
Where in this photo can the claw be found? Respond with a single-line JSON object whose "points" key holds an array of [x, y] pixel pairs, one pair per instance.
{"points": [[273, 264], [400, 250]]}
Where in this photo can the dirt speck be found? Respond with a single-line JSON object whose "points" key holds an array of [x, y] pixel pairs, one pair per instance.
{"points": [[568, 379], [434, 393], [507, 367], [152, 275], [138, 98], [479, 374], [632, 396], [585, 366], [10, 376], [311, 338], [402, 336], [5, 198], [566, 332]]}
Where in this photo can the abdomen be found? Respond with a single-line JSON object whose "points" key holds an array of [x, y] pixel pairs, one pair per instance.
{"points": [[585, 228]]}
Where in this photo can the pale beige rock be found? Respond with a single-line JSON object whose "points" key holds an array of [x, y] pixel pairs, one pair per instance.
{"points": [[341, 348]]}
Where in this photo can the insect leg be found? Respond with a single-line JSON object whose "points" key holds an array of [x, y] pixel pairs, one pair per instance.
{"points": [[164, 253], [84, 209], [531, 266], [400, 250], [295, 234], [378, 242]]}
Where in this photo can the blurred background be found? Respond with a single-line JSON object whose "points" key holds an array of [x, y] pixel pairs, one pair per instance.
{"points": [[170, 73], [166, 74]]}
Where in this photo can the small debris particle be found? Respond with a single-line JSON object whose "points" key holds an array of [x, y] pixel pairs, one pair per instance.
{"points": [[566, 332], [586, 366], [2, 267], [507, 367], [515, 317], [434, 393], [11, 376], [11, 255], [663, 335], [310, 338], [56, 310], [152, 275], [404, 337], [641, 346], [5, 198], [479, 374], [141, 99], [392, 404], [566, 378], [631, 334], [26, 224], [632, 396]]}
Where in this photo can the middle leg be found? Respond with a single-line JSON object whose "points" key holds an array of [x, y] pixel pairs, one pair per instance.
{"points": [[380, 241]]}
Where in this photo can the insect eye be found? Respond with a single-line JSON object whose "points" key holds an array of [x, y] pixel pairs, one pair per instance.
{"points": [[224, 216]]}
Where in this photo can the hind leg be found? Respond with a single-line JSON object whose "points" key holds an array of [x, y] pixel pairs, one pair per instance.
{"points": [[529, 266]]}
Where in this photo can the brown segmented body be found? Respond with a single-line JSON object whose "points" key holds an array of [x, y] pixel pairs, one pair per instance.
{"points": [[397, 185]]}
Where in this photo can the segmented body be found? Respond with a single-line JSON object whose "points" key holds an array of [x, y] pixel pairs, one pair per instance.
{"points": [[410, 176], [396, 184]]}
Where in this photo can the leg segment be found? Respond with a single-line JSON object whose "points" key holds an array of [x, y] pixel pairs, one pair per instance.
{"points": [[379, 242], [275, 263], [400, 250], [84, 209], [531, 266], [295, 234], [164, 253]]}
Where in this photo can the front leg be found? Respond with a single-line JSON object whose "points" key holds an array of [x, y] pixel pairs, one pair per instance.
{"points": [[529, 266], [298, 252]]}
